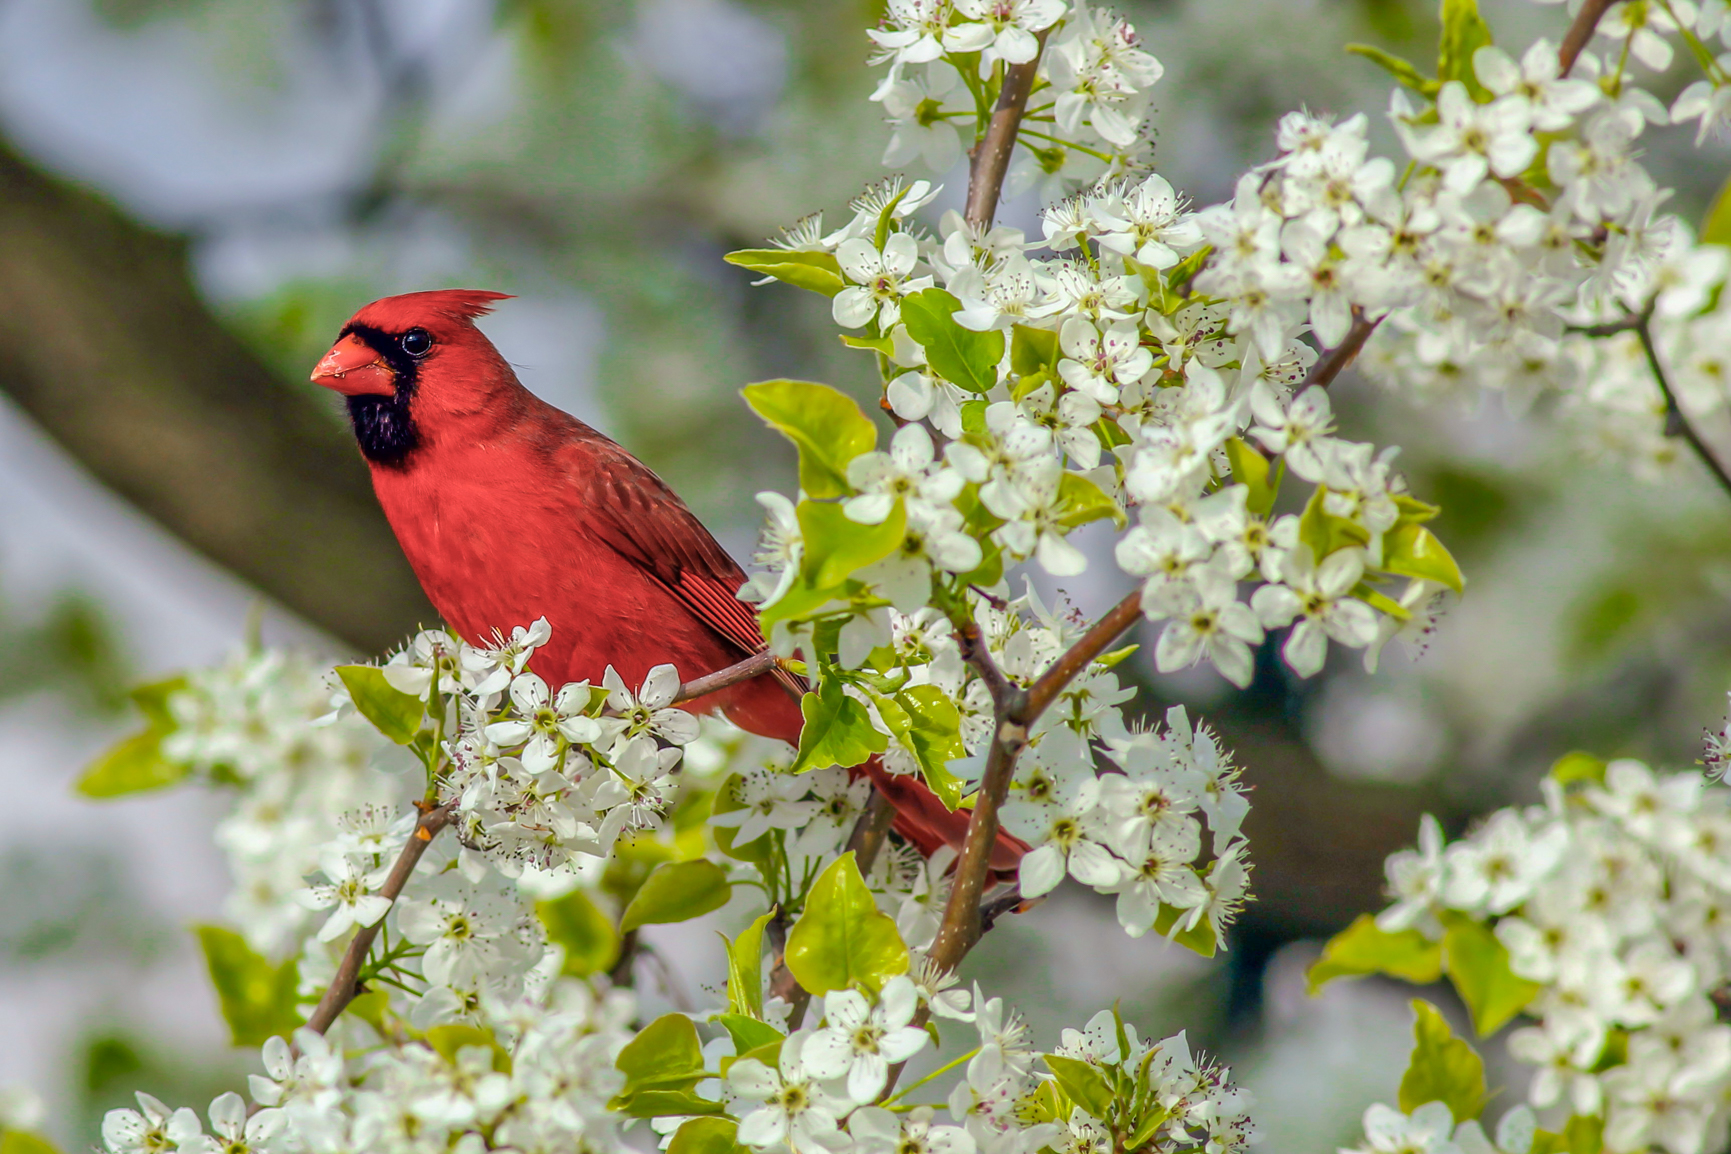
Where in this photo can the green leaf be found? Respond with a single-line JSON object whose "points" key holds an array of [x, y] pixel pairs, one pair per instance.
{"points": [[1033, 350], [1250, 469], [453, 1038], [825, 425], [837, 548], [1578, 766], [1443, 1068], [837, 730], [661, 1066], [591, 943], [706, 1136], [749, 1033], [257, 997], [934, 737], [961, 356], [1414, 510], [817, 271], [1198, 939], [1381, 601], [1362, 948], [1464, 32], [841, 938], [757, 851], [677, 891], [19, 1142], [1082, 1084], [1716, 225], [1082, 501], [745, 972], [1478, 965], [883, 345], [393, 713], [1403, 71], [1411, 550], [1325, 533], [134, 765], [152, 701]]}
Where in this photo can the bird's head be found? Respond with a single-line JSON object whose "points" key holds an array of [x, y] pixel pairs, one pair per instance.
{"points": [[406, 358]]}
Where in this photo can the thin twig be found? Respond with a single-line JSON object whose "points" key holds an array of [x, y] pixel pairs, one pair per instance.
{"points": [[1581, 31], [782, 983], [756, 665], [344, 987], [1330, 363], [1014, 712], [624, 970], [1093, 643], [870, 831], [976, 654], [991, 156], [1677, 423]]}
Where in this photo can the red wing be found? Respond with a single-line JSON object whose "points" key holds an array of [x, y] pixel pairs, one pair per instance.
{"points": [[641, 519]]}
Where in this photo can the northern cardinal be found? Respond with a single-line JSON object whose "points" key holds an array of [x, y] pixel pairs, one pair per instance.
{"points": [[509, 510]]}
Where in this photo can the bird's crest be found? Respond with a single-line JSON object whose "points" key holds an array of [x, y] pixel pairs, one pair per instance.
{"points": [[396, 312]]}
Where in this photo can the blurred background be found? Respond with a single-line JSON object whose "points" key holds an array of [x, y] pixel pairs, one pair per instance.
{"points": [[194, 194]]}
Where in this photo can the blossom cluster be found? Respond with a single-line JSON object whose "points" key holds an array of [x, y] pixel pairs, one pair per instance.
{"points": [[246, 725], [1094, 86], [538, 1079], [1611, 900], [1431, 1129]]}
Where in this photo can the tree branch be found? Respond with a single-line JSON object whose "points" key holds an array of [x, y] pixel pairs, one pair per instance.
{"points": [[1677, 423], [991, 156], [1581, 31], [1014, 711], [1093, 643], [869, 832], [1329, 365], [756, 665], [344, 987]]}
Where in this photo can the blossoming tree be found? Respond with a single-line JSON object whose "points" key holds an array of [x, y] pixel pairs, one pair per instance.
{"points": [[442, 863]]}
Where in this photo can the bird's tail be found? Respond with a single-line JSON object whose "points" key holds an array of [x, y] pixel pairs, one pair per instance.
{"points": [[771, 708], [926, 822]]}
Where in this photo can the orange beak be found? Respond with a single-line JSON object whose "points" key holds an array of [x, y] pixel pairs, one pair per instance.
{"points": [[355, 369]]}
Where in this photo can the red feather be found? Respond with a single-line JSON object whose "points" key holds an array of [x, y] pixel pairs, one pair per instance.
{"points": [[509, 510]]}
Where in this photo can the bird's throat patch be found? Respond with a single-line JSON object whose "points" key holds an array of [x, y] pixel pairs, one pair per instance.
{"points": [[385, 426]]}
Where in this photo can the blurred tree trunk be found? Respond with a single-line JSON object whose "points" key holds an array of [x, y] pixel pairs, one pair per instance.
{"points": [[105, 342]]}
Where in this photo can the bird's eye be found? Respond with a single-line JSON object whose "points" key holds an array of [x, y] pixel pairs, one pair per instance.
{"points": [[416, 342]]}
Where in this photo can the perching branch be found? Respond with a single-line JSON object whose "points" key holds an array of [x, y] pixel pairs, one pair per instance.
{"points": [[343, 987], [990, 158], [1677, 423], [869, 832], [756, 665], [1330, 363], [1575, 39], [1014, 711], [434, 819]]}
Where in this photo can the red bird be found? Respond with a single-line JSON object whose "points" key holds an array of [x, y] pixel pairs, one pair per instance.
{"points": [[509, 510]]}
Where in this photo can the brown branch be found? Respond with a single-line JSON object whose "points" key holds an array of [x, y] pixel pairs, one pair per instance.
{"points": [[1581, 31], [990, 158], [782, 983], [1093, 643], [344, 986], [756, 665], [1677, 423], [1330, 363], [870, 831], [1014, 711], [976, 654]]}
